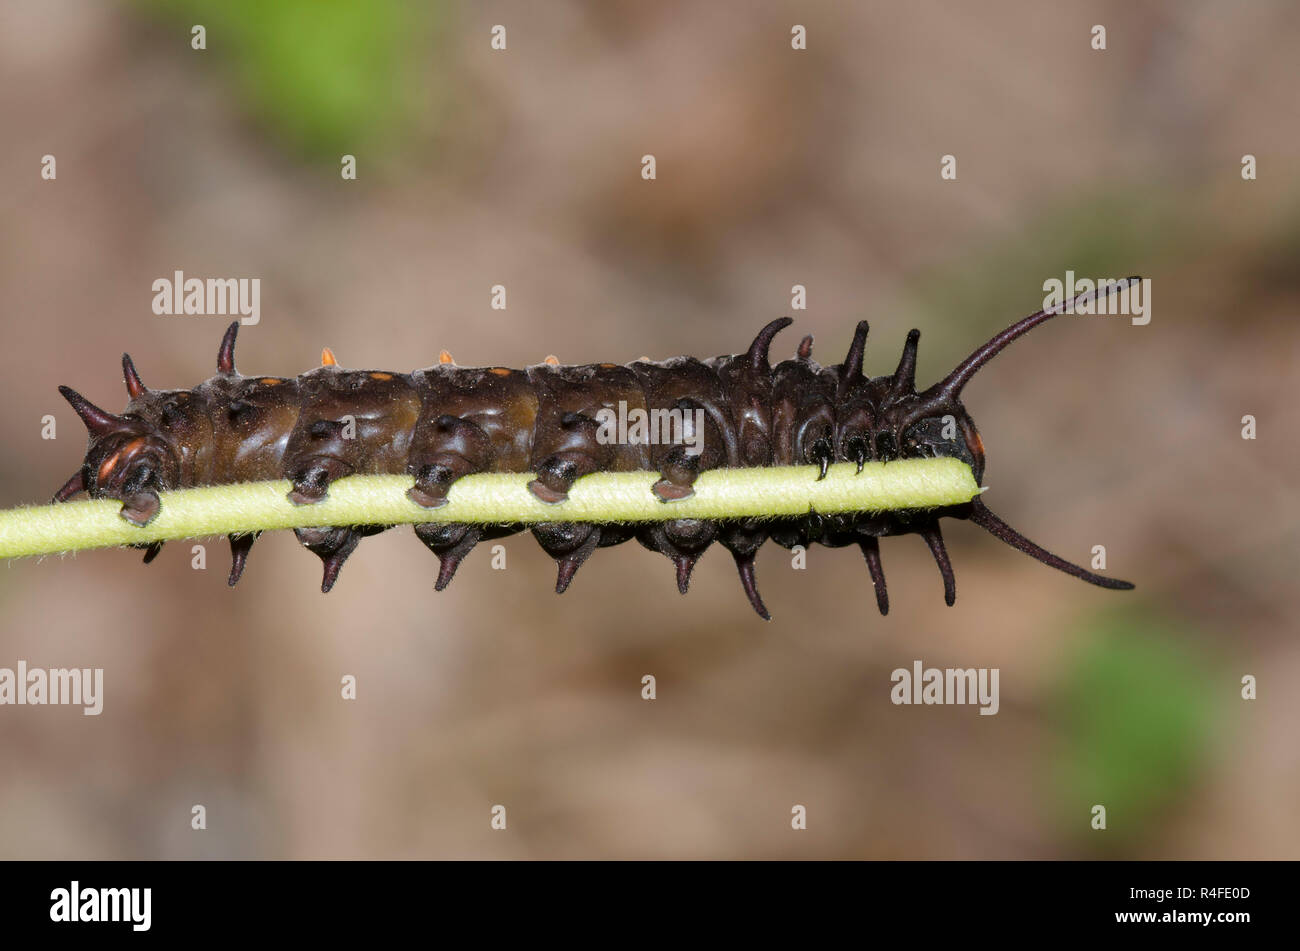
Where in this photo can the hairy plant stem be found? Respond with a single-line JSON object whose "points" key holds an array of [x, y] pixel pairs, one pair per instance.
{"points": [[492, 498]]}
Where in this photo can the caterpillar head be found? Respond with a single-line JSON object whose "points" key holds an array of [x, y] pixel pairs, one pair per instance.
{"points": [[885, 418], [913, 419], [133, 456]]}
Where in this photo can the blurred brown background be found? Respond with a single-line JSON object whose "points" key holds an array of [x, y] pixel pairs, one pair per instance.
{"points": [[775, 167]]}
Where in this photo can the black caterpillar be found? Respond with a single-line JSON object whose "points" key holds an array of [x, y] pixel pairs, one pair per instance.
{"points": [[447, 421]]}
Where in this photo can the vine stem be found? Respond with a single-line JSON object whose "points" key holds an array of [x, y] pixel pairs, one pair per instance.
{"points": [[492, 498]]}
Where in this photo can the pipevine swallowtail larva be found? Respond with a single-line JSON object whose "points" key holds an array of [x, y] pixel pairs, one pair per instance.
{"points": [[447, 421]]}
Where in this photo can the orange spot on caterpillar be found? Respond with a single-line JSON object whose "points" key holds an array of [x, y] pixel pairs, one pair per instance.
{"points": [[499, 371], [381, 376], [553, 360], [445, 357], [270, 381], [108, 465], [327, 358]]}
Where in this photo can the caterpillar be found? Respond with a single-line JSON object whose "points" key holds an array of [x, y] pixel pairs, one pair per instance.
{"points": [[446, 421]]}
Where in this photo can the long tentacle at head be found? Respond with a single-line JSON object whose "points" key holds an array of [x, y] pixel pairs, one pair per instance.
{"points": [[999, 529], [944, 395]]}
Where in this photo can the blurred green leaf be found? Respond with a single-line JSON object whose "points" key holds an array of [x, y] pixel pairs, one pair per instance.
{"points": [[325, 77], [1136, 707]]}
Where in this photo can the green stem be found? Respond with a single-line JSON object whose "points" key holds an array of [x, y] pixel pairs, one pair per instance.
{"points": [[491, 498]]}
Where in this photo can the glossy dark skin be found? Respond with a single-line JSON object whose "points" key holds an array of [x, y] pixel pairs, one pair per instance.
{"points": [[445, 422]]}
